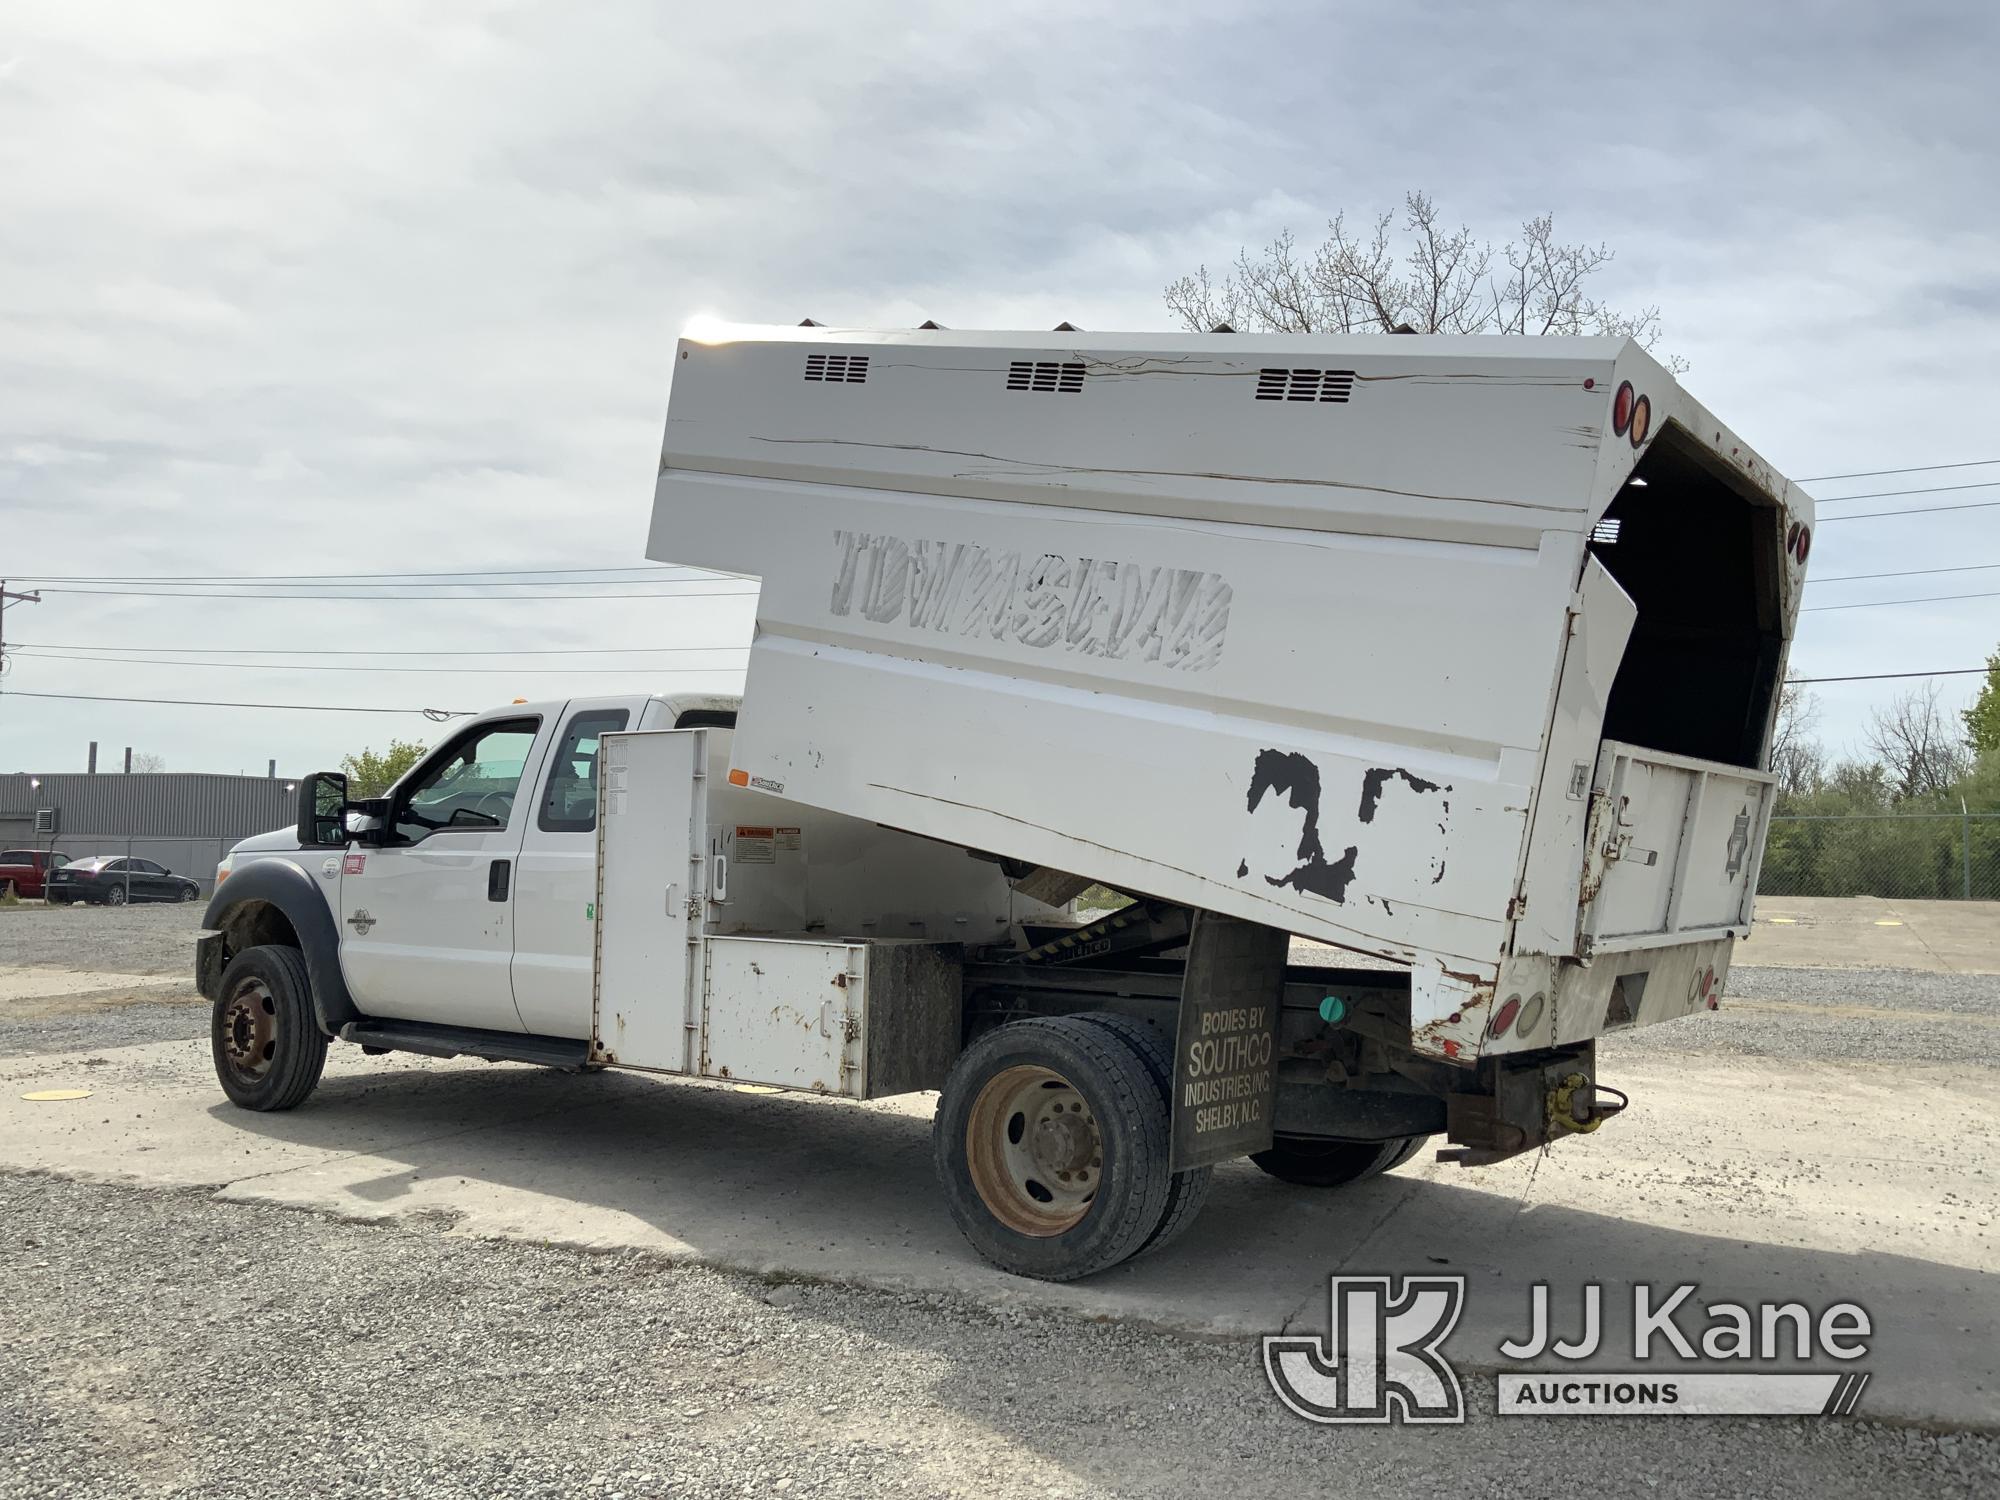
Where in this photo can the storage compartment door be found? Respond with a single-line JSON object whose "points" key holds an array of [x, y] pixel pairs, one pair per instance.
{"points": [[784, 1013], [651, 886], [1674, 848]]}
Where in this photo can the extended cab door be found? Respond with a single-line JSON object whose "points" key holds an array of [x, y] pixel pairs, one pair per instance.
{"points": [[555, 897], [427, 931]]}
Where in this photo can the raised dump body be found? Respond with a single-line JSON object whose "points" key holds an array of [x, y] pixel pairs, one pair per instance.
{"points": [[1459, 652]]}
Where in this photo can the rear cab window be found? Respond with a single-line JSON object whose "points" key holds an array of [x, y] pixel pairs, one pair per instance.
{"points": [[569, 791]]}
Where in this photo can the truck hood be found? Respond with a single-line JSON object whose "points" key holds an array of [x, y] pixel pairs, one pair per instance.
{"points": [[277, 838]]}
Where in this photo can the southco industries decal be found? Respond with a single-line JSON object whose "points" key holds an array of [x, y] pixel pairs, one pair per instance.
{"points": [[1382, 1359]]}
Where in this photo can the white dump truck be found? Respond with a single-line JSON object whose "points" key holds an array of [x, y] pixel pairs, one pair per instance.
{"points": [[1455, 656]]}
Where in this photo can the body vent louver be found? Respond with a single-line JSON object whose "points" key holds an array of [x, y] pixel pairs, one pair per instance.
{"points": [[1045, 375], [846, 369], [1305, 385]]}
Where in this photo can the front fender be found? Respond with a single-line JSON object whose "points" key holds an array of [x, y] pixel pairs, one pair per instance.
{"points": [[305, 906]]}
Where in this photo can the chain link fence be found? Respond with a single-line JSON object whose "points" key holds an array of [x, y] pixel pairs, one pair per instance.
{"points": [[1897, 856]]}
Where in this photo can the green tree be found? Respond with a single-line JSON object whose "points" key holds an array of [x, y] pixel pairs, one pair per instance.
{"points": [[1982, 720], [372, 773]]}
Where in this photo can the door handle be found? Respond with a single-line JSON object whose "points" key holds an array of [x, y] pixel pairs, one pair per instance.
{"points": [[496, 879]]}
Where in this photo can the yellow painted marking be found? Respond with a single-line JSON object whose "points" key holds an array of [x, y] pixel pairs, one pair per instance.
{"points": [[51, 1096], [1888, 922], [1784, 921]]}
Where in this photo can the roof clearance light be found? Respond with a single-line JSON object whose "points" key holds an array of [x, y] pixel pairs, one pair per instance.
{"points": [[1642, 420], [1621, 408]]}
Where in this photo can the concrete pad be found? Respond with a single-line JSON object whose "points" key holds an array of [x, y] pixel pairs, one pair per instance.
{"points": [[1825, 1183], [1866, 932], [24, 982]]}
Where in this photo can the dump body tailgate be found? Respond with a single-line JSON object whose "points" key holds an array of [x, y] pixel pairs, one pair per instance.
{"points": [[1673, 848]]}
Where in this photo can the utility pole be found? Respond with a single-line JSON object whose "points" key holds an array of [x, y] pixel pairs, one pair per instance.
{"points": [[7, 598]]}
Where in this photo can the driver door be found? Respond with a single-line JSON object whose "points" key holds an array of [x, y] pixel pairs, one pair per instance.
{"points": [[427, 920]]}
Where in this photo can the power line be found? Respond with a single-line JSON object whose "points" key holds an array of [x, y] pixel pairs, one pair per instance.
{"points": [[1882, 676], [1906, 573], [1936, 489], [1971, 463], [320, 590], [360, 579], [394, 598], [1882, 603], [1870, 515], [367, 651], [315, 708], [281, 666]]}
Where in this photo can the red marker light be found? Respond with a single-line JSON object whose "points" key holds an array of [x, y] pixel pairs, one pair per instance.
{"points": [[1621, 408], [1504, 1016], [1804, 544]]}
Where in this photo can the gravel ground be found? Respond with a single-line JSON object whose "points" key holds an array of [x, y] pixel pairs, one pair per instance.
{"points": [[186, 1347], [143, 939], [1836, 1015]]}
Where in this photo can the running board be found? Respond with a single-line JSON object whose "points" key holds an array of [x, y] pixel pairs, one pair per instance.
{"points": [[467, 1041]]}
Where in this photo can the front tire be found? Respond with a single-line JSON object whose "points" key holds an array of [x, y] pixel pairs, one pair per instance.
{"points": [[1051, 1144], [1313, 1162], [268, 1048], [190, 892]]}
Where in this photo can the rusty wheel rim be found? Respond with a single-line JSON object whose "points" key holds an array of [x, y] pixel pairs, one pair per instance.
{"points": [[250, 1030], [1034, 1151]]}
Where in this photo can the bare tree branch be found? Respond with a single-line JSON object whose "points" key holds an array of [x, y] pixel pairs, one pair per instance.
{"points": [[1918, 749], [1797, 758], [1446, 281]]}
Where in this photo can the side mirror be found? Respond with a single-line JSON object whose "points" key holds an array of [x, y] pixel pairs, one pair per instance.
{"points": [[322, 810]]}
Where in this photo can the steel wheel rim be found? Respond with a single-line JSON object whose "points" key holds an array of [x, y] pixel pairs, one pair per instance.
{"points": [[250, 1030], [1034, 1150]]}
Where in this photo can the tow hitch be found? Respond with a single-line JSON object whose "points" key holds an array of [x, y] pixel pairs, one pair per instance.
{"points": [[1523, 1105]]}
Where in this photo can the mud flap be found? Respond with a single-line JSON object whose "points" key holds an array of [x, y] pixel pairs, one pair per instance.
{"points": [[1225, 1051]]}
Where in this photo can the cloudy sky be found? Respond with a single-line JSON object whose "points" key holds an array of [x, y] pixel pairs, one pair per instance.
{"points": [[309, 289]]}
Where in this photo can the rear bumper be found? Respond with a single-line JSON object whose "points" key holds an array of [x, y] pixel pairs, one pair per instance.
{"points": [[1563, 1002]]}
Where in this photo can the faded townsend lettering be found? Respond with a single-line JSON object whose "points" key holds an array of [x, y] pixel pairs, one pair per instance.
{"points": [[1125, 611]]}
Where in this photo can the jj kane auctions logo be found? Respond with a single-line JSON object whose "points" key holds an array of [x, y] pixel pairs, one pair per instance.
{"points": [[1382, 1359]]}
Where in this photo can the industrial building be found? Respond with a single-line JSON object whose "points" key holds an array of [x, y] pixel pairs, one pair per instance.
{"points": [[185, 820]]}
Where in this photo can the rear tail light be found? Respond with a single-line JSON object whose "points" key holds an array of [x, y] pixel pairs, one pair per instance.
{"points": [[1621, 408], [1504, 1016]]}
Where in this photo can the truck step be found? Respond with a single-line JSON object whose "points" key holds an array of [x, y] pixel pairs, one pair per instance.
{"points": [[467, 1041]]}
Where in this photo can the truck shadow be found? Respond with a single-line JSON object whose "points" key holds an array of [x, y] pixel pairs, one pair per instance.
{"points": [[798, 1189]]}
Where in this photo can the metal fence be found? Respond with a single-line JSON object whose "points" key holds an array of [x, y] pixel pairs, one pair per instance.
{"points": [[1898, 856]]}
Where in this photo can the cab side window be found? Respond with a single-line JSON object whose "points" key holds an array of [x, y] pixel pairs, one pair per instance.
{"points": [[569, 793], [470, 786]]}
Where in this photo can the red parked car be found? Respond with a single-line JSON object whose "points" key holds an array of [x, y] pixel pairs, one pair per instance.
{"points": [[27, 869]]}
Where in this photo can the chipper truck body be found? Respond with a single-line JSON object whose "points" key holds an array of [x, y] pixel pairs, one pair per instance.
{"points": [[1410, 697]]}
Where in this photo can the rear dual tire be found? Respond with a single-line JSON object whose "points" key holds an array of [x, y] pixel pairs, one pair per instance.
{"points": [[1313, 1162], [1051, 1142]]}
